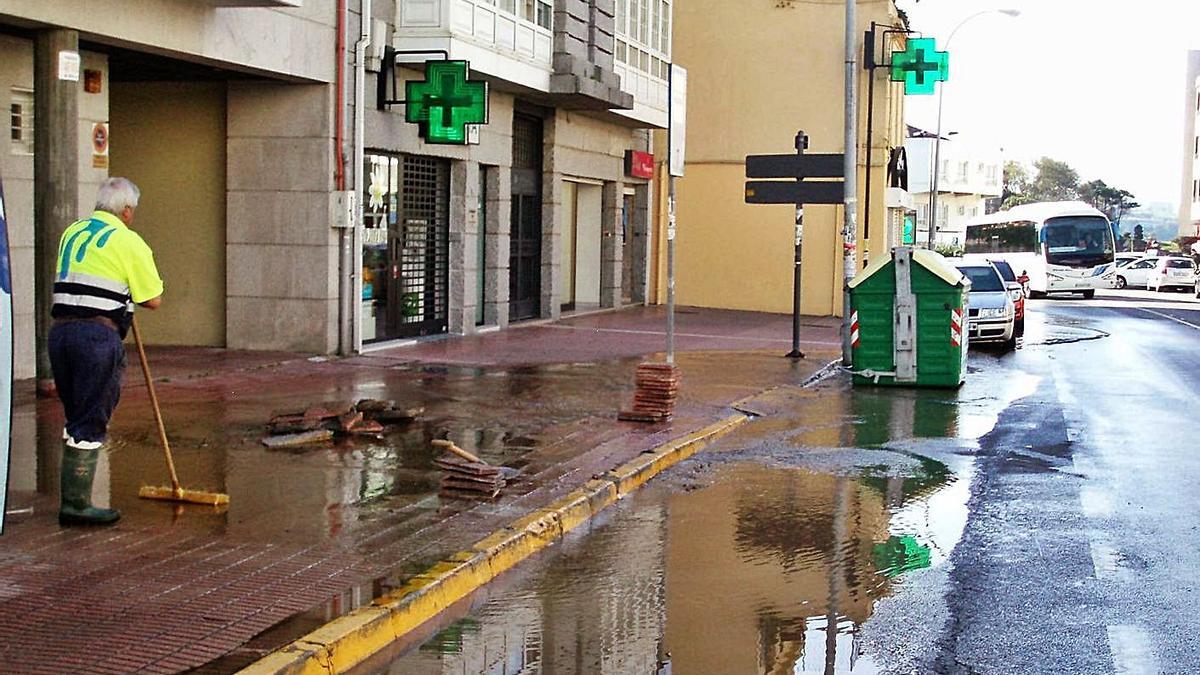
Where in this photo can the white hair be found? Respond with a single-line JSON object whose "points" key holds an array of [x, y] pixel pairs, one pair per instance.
{"points": [[117, 193]]}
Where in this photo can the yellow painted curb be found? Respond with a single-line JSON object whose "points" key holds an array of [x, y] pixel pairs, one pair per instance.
{"points": [[349, 640]]}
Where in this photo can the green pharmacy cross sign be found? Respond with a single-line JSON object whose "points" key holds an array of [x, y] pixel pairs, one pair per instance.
{"points": [[446, 102], [920, 66]]}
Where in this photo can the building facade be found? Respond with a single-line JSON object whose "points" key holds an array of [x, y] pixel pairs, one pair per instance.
{"points": [[756, 77], [289, 208], [971, 175], [1189, 196]]}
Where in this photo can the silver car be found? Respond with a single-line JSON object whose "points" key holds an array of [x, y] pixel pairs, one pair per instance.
{"points": [[990, 314]]}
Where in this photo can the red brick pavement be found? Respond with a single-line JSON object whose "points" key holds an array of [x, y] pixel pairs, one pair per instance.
{"points": [[170, 590]]}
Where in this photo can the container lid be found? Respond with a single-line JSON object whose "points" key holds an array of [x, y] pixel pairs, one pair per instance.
{"points": [[930, 260]]}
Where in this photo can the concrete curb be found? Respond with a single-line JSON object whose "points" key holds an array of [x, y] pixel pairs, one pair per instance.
{"points": [[351, 639]]}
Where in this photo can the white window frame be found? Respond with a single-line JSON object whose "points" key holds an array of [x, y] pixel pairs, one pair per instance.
{"points": [[21, 125], [643, 35]]}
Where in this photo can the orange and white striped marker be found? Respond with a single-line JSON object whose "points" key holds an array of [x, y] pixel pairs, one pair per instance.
{"points": [[854, 329]]}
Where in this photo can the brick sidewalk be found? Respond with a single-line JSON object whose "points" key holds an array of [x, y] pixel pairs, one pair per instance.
{"points": [[314, 532]]}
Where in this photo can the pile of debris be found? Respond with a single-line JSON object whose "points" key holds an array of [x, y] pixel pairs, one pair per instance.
{"points": [[655, 395], [465, 476], [368, 417]]}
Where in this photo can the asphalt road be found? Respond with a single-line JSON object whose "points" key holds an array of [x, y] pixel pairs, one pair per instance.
{"points": [[1080, 551]]}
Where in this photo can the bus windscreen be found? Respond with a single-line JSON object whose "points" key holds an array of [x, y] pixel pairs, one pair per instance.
{"points": [[1020, 237], [1078, 241]]}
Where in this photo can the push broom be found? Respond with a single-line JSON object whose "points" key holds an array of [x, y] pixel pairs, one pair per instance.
{"points": [[174, 493]]}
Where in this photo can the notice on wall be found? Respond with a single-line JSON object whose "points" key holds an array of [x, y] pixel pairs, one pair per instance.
{"points": [[678, 118], [100, 145], [68, 65]]}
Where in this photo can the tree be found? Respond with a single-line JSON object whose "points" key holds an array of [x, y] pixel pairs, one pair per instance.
{"points": [[1139, 239], [1112, 201], [1055, 181], [1016, 183]]}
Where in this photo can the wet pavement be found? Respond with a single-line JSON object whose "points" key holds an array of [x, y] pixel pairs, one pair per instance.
{"points": [[1040, 519], [314, 532], [738, 560]]}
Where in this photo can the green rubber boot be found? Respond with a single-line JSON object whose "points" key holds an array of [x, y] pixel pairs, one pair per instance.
{"points": [[78, 472]]}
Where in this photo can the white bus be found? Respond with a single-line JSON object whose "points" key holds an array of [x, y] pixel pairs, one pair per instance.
{"points": [[1064, 247]]}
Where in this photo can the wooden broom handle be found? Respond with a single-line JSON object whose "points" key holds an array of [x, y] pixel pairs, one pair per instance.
{"points": [[449, 445], [162, 430]]}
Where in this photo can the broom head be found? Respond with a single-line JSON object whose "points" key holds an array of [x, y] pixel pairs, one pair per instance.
{"points": [[182, 495]]}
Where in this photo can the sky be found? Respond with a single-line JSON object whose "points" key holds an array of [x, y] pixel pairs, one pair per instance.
{"points": [[1098, 84]]}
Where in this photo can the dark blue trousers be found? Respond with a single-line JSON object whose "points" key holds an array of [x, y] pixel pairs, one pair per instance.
{"points": [[88, 360]]}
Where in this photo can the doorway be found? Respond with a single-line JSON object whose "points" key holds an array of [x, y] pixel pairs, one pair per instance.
{"points": [[169, 139], [580, 270], [406, 247], [525, 251]]}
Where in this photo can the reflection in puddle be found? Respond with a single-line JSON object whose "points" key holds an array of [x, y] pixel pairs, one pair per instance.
{"points": [[744, 575], [764, 555]]}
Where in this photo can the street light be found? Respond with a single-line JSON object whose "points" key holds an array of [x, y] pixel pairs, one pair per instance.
{"points": [[937, 139]]}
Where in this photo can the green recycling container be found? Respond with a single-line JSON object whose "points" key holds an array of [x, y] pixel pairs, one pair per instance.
{"points": [[940, 294]]}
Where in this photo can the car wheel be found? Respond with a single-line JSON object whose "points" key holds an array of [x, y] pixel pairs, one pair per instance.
{"points": [[1088, 295], [1019, 327], [1121, 282]]}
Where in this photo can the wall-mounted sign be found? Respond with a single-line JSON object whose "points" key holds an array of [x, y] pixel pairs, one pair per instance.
{"points": [[68, 65], [639, 164], [100, 145], [897, 169], [920, 66], [93, 81], [446, 102]]}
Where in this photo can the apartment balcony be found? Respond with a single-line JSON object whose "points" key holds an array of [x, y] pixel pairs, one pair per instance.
{"points": [[558, 58], [497, 42], [573, 58]]}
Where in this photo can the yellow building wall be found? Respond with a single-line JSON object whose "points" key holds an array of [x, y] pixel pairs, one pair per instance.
{"points": [[757, 75], [169, 139]]}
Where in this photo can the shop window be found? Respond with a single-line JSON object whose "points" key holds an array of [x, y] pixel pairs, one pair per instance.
{"points": [[20, 112]]}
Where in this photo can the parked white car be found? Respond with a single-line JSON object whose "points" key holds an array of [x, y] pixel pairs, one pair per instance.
{"points": [[1172, 272], [1136, 273], [1122, 261]]}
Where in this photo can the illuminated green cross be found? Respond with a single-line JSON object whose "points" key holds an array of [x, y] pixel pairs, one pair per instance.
{"points": [[920, 66], [445, 102]]}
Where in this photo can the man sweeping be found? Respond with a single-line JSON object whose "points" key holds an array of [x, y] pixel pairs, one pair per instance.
{"points": [[104, 269]]}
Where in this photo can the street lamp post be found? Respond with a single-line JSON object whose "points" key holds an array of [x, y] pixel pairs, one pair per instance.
{"points": [[934, 171]]}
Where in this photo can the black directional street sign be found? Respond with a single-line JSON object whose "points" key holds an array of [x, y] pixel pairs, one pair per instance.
{"points": [[799, 167], [794, 166], [794, 192]]}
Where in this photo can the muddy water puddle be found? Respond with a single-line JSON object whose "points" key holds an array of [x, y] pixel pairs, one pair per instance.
{"points": [[765, 554], [745, 573]]}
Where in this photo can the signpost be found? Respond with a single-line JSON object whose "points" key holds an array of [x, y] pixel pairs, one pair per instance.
{"points": [[676, 137], [799, 191]]}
